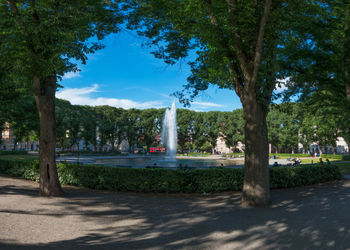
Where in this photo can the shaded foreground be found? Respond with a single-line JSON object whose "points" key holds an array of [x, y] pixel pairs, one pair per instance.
{"points": [[313, 217]]}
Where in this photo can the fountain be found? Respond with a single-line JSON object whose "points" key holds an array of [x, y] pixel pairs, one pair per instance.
{"points": [[169, 132], [169, 140]]}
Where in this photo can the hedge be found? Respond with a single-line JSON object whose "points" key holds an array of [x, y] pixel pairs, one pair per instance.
{"points": [[346, 157], [168, 180], [13, 152]]}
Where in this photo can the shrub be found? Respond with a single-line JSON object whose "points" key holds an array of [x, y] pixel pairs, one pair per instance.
{"points": [[169, 180], [346, 157], [13, 152], [282, 177], [26, 169]]}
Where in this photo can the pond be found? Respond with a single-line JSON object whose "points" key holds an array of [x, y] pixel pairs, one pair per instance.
{"points": [[166, 163]]}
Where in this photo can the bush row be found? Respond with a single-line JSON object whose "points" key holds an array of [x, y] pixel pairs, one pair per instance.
{"points": [[346, 157], [168, 180], [13, 152]]}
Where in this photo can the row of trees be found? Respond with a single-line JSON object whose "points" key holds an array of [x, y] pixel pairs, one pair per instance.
{"points": [[288, 124]]}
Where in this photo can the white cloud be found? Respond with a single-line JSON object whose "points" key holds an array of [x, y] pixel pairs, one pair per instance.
{"points": [[207, 105], [282, 85], [70, 75], [82, 96]]}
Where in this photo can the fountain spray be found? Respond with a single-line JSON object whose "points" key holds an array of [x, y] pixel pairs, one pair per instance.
{"points": [[169, 131]]}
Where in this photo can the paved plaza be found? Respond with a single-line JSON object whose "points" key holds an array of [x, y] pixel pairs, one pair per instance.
{"points": [[312, 217]]}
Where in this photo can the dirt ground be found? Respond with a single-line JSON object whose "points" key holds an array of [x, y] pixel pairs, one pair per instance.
{"points": [[312, 217]]}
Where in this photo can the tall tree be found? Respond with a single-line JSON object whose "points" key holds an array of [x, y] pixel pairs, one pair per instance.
{"points": [[236, 44], [150, 126], [22, 116], [42, 37], [232, 128], [185, 120], [132, 127], [212, 123], [283, 125], [317, 59]]}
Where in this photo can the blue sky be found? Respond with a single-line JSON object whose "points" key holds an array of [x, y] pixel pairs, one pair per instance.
{"points": [[126, 75]]}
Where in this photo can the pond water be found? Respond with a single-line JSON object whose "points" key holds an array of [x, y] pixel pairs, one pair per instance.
{"points": [[165, 163]]}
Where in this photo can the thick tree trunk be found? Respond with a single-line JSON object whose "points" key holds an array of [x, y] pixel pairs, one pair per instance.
{"points": [[256, 189], [45, 100]]}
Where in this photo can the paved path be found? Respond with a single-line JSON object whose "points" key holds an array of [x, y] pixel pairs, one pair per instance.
{"points": [[313, 217]]}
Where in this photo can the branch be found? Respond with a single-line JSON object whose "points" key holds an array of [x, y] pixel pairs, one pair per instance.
{"points": [[237, 41], [15, 12], [239, 87], [271, 82], [260, 41], [20, 22]]}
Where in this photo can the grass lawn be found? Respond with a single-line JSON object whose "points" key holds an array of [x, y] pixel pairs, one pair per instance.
{"points": [[19, 157], [315, 160]]}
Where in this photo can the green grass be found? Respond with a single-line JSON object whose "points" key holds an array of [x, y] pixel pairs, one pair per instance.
{"points": [[19, 157], [315, 160]]}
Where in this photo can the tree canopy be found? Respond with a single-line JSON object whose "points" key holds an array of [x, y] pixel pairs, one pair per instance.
{"points": [[40, 39]]}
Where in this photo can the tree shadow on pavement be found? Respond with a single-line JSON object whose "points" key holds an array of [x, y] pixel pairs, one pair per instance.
{"points": [[312, 217]]}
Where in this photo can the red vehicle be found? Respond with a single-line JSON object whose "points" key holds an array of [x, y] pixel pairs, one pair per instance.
{"points": [[157, 150]]}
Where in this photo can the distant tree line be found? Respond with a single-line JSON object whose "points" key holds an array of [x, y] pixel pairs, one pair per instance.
{"points": [[288, 124]]}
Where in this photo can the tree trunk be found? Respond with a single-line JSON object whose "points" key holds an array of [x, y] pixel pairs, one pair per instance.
{"points": [[45, 101], [256, 189], [112, 144]]}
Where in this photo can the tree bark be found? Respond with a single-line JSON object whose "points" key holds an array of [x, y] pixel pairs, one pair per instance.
{"points": [[45, 101], [256, 190]]}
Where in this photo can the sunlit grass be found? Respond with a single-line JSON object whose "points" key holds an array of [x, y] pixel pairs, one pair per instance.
{"points": [[315, 160], [19, 157]]}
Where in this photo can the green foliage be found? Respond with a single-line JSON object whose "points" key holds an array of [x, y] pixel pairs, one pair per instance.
{"points": [[13, 152], [305, 175], [168, 180], [232, 128], [26, 169], [346, 157], [206, 147], [184, 132], [43, 36], [283, 126]]}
